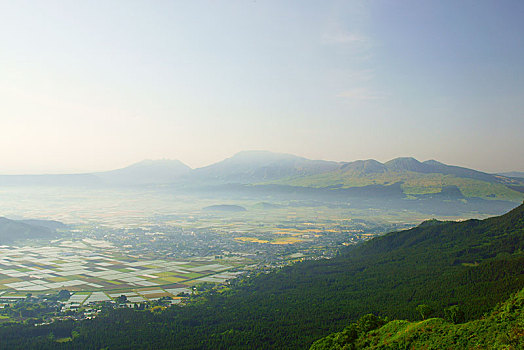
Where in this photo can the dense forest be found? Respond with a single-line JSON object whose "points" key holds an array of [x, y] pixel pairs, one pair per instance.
{"points": [[419, 273], [502, 328]]}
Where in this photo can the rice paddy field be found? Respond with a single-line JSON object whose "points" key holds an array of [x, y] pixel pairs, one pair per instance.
{"points": [[97, 275]]}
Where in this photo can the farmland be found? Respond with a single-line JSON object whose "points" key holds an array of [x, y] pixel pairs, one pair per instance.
{"points": [[97, 274], [149, 244]]}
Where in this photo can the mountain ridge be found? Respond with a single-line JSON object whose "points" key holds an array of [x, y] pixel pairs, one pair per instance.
{"points": [[145, 172], [403, 163], [255, 168]]}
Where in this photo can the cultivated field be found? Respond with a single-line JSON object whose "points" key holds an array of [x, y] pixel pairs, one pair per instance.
{"points": [[99, 274]]}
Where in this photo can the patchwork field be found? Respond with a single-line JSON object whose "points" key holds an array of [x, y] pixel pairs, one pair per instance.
{"points": [[97, 274]]}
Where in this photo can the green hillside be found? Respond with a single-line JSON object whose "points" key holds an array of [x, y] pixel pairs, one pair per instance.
{"points": [[473, 264], [416, 179], [412, 183], [502, 328]]}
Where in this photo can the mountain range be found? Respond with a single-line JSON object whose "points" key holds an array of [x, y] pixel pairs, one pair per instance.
{"points": [[405, 177]]}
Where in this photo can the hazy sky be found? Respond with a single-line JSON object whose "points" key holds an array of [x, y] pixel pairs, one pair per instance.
{"points": [[96, 85]]}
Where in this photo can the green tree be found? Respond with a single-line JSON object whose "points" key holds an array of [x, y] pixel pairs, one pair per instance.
{"points": [[64, 294], [370, 322], [424, 310], [454, 314], [121, 299], [51, 336]]}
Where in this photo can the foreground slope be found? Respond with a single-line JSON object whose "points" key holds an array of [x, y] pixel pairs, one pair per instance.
{"points": [[502, 328], [473, 264]]}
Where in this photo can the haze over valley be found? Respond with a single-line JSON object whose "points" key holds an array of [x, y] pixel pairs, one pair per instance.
{"points": [[262, 174]]}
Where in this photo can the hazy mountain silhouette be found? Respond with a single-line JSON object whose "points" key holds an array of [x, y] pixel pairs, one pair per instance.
{"points": [[13, 230], [50, 180], [363, 167], [145, 173], [513, 174], [257, 166], [268, 168]]}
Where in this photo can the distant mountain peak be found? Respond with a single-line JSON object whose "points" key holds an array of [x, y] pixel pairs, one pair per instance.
{"points": [[158, 162], [367, 166], [260, 155], [256, 166], [404, 159], [146, 172], [406, 164], [254, 152], [433, 162]]}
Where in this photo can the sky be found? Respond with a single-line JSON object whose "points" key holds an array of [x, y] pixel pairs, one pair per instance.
{"points": [[98, 85]]}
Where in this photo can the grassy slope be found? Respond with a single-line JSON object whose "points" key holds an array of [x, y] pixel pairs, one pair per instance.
{"points": [[503, 328], [413, 183]]}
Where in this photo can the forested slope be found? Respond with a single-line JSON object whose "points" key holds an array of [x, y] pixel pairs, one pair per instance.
{"points": [[502, 328], [472, 264]]}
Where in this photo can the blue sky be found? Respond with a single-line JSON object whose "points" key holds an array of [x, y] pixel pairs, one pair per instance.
{"points": [[96, 85]]}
